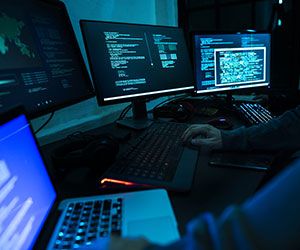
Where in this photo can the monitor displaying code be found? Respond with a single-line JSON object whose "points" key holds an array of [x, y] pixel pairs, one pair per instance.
{"points": [[231, 61], [129, 60]]}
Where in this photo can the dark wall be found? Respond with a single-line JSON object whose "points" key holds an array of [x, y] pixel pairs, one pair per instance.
{"points": [[228, 15], [297, 42]]}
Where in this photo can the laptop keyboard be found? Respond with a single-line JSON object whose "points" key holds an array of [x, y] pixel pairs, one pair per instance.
{"points": [[155, 154], [84, 222]]}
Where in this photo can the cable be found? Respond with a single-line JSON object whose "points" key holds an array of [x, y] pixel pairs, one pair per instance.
{"points": [[45, 123], [183, 96], [127, 108], [124, 112]]}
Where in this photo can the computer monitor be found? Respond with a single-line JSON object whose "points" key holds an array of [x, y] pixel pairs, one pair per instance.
{"points": [[226, 62], [41, 66], [130, 62]]}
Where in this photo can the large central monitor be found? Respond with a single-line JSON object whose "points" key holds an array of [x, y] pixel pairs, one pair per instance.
{"points": [[132, 62], [41, 65], [225, 62]]}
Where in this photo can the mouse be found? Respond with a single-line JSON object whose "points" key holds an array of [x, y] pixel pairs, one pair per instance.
{"points": [[221, 123], [180, 111]]}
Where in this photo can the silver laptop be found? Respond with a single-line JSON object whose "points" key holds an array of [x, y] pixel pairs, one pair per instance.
{"points": [[28, 199]]}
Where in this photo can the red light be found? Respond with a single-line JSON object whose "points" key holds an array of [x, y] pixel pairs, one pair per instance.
{"points": [[117, 182]]}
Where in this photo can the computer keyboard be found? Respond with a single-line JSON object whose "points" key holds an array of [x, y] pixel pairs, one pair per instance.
{"points": [[155, 154], [86, 221], [253, 113]]}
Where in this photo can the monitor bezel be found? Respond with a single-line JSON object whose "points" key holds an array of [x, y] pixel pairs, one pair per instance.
{"points": [[141, 96], [225, 91], [89, 86]]}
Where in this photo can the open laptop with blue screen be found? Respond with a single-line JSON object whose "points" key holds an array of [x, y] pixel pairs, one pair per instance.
{"points": [[27, 196]]}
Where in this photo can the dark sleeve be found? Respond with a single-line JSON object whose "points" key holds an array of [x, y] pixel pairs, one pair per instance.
{"points": [[209, 233], [264, 221], [282, 133]]}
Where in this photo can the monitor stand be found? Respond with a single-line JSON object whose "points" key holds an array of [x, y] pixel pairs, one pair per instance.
{"points": [[140, 120], [229, 100]]}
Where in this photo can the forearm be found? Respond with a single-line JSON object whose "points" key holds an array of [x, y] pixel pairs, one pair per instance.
{"points": [[281, 133], [206, 232], [273, 213], [265, 221]]}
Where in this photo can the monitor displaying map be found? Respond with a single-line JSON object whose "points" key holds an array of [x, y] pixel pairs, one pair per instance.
{"points": [[17, 47], [41, 66]]}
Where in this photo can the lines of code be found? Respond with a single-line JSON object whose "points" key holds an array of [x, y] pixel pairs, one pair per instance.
{"points": [[122, 48], [239, 66], [125, 49], [167, 48], [230, 61]]}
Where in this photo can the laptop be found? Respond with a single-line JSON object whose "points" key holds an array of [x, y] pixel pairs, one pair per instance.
{"points": [[28, 199]]}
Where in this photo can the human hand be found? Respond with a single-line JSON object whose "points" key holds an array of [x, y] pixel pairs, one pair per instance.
{"points": [[203, 135]]}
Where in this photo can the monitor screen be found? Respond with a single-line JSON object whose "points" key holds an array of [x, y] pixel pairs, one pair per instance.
{"points": [[26, 192], [40, 62], [130, 60], [231, 61]]}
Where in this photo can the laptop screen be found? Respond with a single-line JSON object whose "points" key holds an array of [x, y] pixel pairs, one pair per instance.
{"points": [[26, 192]]}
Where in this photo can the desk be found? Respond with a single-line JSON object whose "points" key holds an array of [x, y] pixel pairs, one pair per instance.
{"points": [[213, 188]]}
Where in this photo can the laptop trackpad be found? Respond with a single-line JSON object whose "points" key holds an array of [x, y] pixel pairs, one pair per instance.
{"points": [[158, 230]]}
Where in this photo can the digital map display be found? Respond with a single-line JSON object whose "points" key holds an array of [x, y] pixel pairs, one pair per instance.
{"points": [[16, 44]]}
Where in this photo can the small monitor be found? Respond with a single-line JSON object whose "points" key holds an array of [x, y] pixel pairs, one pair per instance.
{"points": [[226, 62], [130, 61], [41, 66]]}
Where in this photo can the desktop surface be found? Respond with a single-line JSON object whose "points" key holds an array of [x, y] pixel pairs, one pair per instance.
{"points": [[213, 189]]}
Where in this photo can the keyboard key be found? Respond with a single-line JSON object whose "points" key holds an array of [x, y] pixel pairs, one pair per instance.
{"points": [[88, 222], [107, 205], [104, 234], [116, 232]]}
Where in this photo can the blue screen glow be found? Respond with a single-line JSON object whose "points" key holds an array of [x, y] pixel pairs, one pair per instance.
{"points": [[26, 192]]}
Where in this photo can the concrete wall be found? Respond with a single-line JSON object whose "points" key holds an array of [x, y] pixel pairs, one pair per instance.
{"points": [[87, 114]]}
